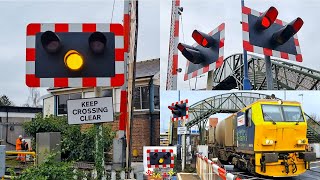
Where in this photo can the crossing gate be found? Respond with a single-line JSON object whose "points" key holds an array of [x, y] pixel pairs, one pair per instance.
{"points": [[209, 170]]}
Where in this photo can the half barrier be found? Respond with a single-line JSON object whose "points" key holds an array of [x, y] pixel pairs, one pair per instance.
{"points": [[209, 170]]}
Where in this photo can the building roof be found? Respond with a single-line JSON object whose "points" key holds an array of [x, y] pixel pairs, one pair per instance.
{"points": [[147, 68], [20, 109]]}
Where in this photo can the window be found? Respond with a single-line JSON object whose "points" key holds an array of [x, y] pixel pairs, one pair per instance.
{"points": [[272, 113], [248, 117], [62, 102], [107, 93], [156, 97], [136, 98], [292, 113], [282, 113], [144, 96], [142, 99]]}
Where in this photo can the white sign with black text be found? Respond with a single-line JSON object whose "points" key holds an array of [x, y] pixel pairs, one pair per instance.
{"points": [[92, 110], [182, 130]]}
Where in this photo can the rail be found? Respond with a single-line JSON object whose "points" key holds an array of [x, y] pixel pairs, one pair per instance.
{"points": [[209, 170]]}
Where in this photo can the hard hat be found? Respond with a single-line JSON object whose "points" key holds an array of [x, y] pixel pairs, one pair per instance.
{"points": [[23, 140], [20, 136]]}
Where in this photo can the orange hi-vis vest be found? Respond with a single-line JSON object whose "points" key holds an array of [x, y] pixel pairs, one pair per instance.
{"points": [[18, 144]]}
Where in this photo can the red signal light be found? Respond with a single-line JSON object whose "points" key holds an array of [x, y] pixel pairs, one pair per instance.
{"points": [[285, 33], [180, 47], [265, 22], [202, 38], [297, 24], [204, 42], [267, 18]]}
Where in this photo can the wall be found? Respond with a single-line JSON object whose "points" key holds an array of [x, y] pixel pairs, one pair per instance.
{"points": [[140, 131], [9, 136]]}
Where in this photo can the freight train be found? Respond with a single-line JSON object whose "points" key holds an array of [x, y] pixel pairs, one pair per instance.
{"points": [[267, 137]]}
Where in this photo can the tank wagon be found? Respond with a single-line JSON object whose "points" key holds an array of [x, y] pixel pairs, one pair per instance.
{"points": [[267, 137]]}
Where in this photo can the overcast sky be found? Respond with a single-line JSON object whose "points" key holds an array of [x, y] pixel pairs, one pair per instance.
{"points": [[205, 15], [310, 101], [16, 14]]}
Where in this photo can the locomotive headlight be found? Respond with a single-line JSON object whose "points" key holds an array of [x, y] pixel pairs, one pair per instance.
{"points": [[301, 141], [268, 142]]}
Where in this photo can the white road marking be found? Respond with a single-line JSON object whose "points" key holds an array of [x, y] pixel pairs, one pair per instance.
{"points": [[314, 167], [313, 162]]}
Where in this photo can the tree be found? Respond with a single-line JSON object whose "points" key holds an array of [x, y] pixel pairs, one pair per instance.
{"points": [[34, 98], [5, 101]]}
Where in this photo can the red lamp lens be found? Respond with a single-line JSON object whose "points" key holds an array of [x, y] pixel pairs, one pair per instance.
{"points": [[265, 22], [204, 42]]}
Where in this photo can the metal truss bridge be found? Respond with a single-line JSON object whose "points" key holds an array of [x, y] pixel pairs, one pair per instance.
{"points": [[200, 112], [286, 75]]}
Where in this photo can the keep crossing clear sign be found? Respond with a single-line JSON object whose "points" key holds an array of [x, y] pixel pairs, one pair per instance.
{"points": [[93, 110]]}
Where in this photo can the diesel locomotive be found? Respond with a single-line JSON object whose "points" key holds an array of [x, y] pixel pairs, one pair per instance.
{"points": [[268, 137]]}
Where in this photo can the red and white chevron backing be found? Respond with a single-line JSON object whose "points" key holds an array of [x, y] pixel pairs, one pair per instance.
{"points": [[171, 165], [265, 51], [214, 65], [187, 111], [34, 28]]}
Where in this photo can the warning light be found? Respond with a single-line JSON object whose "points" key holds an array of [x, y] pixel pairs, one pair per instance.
{"points": [[267, 18], [73, 60], [97, 42], [204, 42], [265, 22], [203, 39], [179, 110], [50, 42], [155, 156], [161, 160], [167, 155], [191, 53], [284, 34]]}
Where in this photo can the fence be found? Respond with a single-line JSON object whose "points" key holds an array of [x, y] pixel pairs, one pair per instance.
{"points": [[209, 170]]}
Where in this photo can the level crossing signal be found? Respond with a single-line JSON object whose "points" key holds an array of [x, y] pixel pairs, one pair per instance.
{"points": [[75, 55], [160, 158], [179, 110], [206, 54], [265, 34]]}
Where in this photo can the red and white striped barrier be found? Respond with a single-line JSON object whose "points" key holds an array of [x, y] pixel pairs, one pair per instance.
{"points": [[208, 169]]}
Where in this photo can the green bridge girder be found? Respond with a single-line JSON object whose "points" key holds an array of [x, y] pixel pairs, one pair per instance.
{"points": [[200, 112], [286, 75]]}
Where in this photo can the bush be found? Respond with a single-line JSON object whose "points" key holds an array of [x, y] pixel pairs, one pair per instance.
{"points": [[76, 145], [49, 170]]}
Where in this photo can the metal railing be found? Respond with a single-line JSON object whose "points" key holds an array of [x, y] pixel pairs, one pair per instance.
{"points": [[209, 170], [286, 75]]}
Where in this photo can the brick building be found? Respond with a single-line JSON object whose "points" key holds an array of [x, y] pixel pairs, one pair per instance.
{"points": [[146, 115]]}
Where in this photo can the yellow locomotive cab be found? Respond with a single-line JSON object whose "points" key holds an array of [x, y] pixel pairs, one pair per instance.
{"points": [[269, 138]]}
